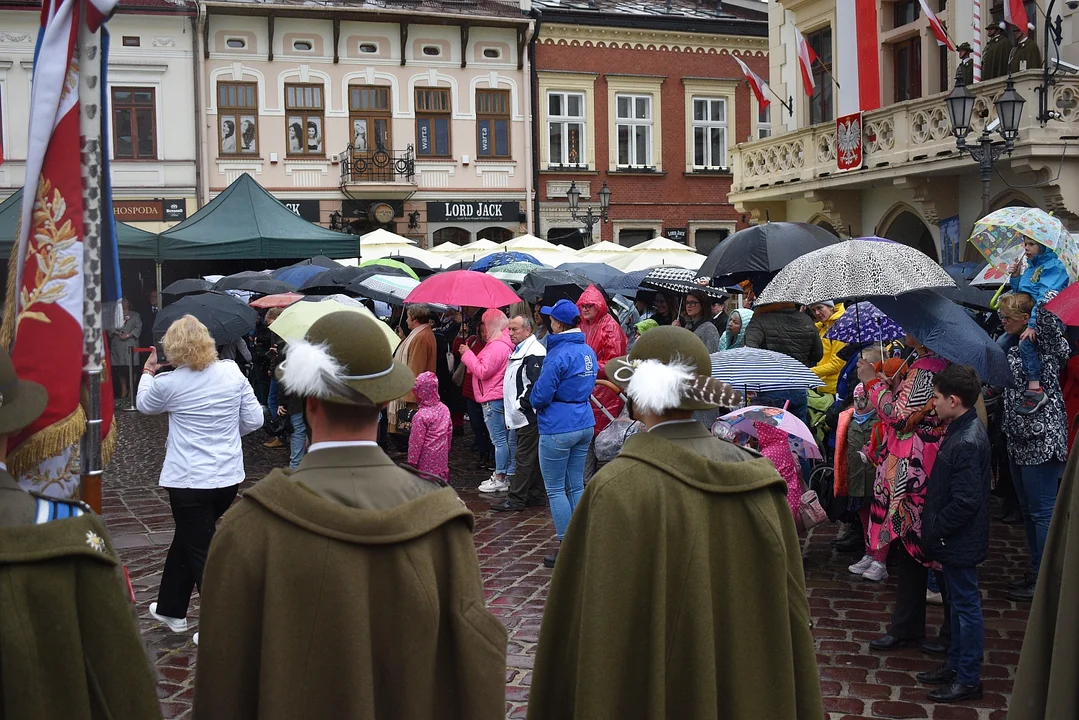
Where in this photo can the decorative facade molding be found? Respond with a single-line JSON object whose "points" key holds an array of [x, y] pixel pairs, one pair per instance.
{"points": [[14, 37], [926, 194], [842, 208], [653, 40], [164, 42]]}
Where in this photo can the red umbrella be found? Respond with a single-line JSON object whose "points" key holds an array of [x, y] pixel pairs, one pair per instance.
{"points": [[277, 301], [1066, 305], [463, 287]]}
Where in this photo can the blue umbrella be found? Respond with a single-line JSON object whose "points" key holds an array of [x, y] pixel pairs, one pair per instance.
{"points": [[863, 323], [599, 273], [297, 275], [502, 258], [947, 329], [628, 284]]}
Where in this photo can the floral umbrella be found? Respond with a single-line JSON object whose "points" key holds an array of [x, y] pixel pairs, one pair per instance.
{"points": [[999, 237], [801, 437], [862, 323]]}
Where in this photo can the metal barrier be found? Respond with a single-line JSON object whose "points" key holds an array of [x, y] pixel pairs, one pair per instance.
{"points": [[131, 387]]}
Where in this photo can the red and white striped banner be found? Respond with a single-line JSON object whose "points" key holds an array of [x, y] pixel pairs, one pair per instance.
{"points": [[857, 66]]}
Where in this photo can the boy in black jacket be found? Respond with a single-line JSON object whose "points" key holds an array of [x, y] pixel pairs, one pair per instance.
{"points": [[955, 529]]}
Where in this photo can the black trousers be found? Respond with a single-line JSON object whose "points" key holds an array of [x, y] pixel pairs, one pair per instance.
{"points": [[908, 618], [527, 487], [196, 513]]}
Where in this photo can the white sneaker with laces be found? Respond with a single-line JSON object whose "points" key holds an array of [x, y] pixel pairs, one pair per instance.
{"points": [[861, 566], [493, 485], [177, 625], [876, 572]]}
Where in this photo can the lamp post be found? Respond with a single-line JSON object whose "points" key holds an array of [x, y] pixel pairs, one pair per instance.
{"points": [[589, 219], [1009, 111]]}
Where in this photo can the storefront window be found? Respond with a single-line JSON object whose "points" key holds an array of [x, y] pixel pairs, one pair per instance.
{"points": [[495, 234], [456, 235]]}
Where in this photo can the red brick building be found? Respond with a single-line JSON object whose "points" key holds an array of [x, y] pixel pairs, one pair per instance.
{"points": [[649, 99]]}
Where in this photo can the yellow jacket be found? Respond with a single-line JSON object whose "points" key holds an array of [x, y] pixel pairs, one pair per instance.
{"points": [[831, 364]]}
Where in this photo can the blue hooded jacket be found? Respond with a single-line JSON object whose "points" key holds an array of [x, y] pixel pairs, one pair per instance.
{"points": [[560, 394], [1044, 277]]}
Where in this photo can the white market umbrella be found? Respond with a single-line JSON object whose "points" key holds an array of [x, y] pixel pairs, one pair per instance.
{"points": [[606, 246], [446, 248], [657, 252], [480, 246], [383, 237]]}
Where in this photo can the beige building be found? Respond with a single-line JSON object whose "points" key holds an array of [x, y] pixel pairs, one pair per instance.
{"points": [[913, 184], [408, 117]]}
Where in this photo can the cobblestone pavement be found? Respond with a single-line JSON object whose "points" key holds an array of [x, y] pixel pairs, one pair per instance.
{"points": [[848, 612]]}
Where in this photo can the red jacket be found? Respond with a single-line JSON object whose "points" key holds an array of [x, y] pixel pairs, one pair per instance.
{"points": [[604, 335]]}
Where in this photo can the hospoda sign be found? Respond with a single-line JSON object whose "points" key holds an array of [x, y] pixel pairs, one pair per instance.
{"points": [[848, 142], [473, 211]]}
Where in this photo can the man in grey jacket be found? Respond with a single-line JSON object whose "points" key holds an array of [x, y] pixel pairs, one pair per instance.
{"points": [[522, 370]]}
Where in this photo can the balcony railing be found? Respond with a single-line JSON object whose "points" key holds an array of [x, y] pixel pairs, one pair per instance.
{"points": [[378, 166], [911, 131]]}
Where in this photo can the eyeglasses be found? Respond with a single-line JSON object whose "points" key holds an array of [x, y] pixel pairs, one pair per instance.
{"points": [[692, 303]]}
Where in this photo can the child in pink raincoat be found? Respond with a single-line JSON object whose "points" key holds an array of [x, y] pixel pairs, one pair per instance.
{"points": [[775, 445], [432, 430]]}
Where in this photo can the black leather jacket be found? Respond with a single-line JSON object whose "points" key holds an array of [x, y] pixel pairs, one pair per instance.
{"points": [[955, 519]]}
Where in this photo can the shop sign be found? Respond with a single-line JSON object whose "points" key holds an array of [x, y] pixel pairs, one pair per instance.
{"points": [[149, 210], [676, 234], [175, 210], [508, 212], [309, 210]]}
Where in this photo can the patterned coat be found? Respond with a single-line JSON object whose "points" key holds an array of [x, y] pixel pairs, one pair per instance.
{"points": [[432, 431]]}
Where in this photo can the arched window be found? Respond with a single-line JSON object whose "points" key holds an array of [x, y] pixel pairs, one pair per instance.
{"points": [[495, 234], [451, 234], [909, 229], [570, 237]]}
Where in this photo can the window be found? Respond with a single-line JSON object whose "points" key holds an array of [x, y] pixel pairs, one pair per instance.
{"points": [[132, 41], [943, 80], [492, 123], [495, 234], [820, 105], [302, 45], [905, 12], [368, 48], [369, 110], [1, 126], [237, 109], [492, 53], [707, 240], [432, 50], [236, 43], [629, 237], [456, 235], [303, 112], [565, 128], [908, 69], [134, 131], [432, 122], [709, 133], [634, 130], [764, 121]]}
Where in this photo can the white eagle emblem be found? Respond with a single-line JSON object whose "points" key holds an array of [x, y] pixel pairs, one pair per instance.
{"points": [[849, 142]]}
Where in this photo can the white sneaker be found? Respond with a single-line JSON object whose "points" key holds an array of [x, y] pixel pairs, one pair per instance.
{"points": [[861, 566], [177, 625], [876, 572], [196, 639], [493, 486]]}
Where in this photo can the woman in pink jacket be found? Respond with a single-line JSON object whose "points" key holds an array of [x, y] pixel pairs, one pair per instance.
{"points": [[488, 368]]}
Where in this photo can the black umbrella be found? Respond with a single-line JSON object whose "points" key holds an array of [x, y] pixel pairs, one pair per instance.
{"points": [[255, 282], [188, 286], [419, 266], [537, 281], [227, 318], [599, 273], [972, 296], [765, 248], [336, 280]]}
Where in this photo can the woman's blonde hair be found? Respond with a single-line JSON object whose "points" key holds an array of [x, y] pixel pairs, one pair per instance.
{"points": [[188, 343], [1018, 303]]}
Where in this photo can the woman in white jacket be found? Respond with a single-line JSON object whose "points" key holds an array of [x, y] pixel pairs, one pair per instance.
{"points": [[210, 406]]}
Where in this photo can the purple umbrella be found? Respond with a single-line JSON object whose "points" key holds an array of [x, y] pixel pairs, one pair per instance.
{"points": [[863, 323]]}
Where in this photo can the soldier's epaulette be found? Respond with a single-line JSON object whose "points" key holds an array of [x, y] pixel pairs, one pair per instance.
{"points": [[50, 508], [422, 475]]}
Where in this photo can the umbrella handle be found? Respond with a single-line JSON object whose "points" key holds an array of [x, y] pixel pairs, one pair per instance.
{"points": [[994, 303], [603, 409]]}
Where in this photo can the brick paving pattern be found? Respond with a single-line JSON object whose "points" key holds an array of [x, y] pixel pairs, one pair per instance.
{"points": [[847, 611]]}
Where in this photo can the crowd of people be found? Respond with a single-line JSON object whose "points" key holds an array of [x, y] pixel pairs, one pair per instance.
{"points": [[348, 584]]}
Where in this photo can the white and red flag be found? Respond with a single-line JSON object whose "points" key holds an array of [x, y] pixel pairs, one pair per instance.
{"points": [[857, 66], [806, 58], [759, 86], [938, 28], [43, 322], [1016, 14]]}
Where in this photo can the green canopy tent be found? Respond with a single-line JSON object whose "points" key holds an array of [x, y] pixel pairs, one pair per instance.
{"points": [[135, 244], [246, 222]]}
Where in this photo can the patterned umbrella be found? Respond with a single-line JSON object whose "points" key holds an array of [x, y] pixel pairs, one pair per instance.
{"points": [[999, 237], [680, 280], [502, 258], [390, 289], [514, 272], [863, 323], [753, 369], [855, 268], [802, 441]]}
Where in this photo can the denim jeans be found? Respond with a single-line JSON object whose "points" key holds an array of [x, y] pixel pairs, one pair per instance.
{"points": [[271, 399], [511, 443], [494, 415], [562, 457], [1036, 487], [968, 627], [298, 440], [1032, 362]]}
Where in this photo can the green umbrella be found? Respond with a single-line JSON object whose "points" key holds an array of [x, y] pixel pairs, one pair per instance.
{"points": [[389, 262]]}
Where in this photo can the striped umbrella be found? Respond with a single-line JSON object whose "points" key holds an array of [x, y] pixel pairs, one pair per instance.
{"points": [[391, 289], [753, 369]]}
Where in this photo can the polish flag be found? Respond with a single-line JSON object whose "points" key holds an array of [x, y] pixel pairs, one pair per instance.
{"points": [[857, 66], [938, 29], [760, 87], [1016, 14], [806, 58]]}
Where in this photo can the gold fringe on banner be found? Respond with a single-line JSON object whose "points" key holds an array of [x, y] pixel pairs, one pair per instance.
{"points": [[108, 445], [7, 330], [47, 442]]}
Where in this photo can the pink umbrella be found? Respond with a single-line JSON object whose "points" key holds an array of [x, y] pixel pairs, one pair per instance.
{"points": [[802, 441], [463, 287], [281, 300]]}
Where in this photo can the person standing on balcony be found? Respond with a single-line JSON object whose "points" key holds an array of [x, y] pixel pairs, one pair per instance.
{"points": [[1026, 55], [995, 56], [966, 62]]}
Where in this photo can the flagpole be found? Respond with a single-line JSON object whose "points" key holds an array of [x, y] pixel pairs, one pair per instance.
{"points": [[89, 57], [827, 72], [788, 106]]}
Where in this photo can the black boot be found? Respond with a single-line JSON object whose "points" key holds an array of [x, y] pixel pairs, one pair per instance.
{"points": [[956, 692], [943, 675]]}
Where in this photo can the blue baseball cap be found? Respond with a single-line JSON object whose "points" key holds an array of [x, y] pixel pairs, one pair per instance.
{"points": [[564, 311]]}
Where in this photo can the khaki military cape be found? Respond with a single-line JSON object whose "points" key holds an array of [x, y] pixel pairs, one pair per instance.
{"points": [[995, 57], [69, 639], [678, 594], [1046, 684], [315, 608]]}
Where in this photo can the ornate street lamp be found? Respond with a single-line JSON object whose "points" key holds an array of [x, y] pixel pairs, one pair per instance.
{"points": [[335, 220], [573, 195], [1010, 111], [960, 107]]}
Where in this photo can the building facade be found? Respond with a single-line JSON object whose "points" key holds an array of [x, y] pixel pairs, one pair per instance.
{"points": [[649, 100], [913, 184], [151, 79], [409, 117]]}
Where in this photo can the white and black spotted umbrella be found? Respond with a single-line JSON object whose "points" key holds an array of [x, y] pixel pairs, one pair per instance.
{"points": [[865, 267], [756, 370], [680, 280]]}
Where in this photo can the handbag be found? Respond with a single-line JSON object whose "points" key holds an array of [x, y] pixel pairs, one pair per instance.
{"points": [[459, 375], [810, 512], [404, 420]]}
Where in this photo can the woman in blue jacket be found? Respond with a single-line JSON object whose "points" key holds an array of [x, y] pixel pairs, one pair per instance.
{"points": [[560, 397]]}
